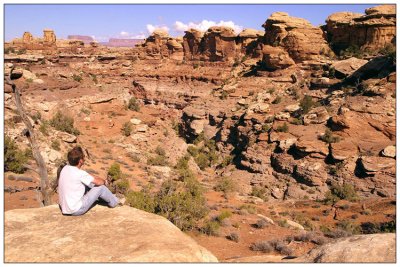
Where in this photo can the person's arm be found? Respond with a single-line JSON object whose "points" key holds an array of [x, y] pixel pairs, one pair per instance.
{"points": [[99, 181]]}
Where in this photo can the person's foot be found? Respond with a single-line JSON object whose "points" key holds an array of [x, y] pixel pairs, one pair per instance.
{"points": [[121, 201]]}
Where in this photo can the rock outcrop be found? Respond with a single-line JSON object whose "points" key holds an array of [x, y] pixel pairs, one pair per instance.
{"points": [[297, 36], [371, 31], [122, 234], [374, 248], [219, 44], [192, 44]]}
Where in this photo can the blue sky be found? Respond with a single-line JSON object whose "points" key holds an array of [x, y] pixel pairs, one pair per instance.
{"points": [[137, 21]]}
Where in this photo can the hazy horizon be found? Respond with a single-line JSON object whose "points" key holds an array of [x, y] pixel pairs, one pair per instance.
{"points": [[137, 21]]}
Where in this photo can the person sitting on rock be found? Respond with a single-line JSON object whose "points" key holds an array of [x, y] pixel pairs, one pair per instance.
{"points": [[78, 190]]}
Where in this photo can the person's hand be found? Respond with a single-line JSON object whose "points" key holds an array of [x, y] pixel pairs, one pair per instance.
{"points": [[105, 182]]}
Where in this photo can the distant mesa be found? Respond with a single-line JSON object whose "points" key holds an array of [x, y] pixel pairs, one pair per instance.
{"points": [[84, 38], [115, 42]]}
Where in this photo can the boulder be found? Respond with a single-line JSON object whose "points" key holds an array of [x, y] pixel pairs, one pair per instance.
{"points": [[317, 115], [343, 150], [389, 151], [26, 74], [66, 137], [372, 248], [282, 162], [123, 234], [344, 68], [192, 44], [371, 164]]}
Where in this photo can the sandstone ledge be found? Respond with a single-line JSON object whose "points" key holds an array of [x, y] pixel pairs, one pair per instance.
{"points": [[122, 234]]}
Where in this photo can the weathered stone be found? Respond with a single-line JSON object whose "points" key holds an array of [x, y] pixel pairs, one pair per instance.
{"points": [[259, 108], [66, 137], [282, 162], [316, 116], [371, 31], [155, 238], [371, 164], [276, 58], [297, 36], [344, 68], [372, 248], [389, 151], [343, 150], [161, 171], [292, 108], [219, 44], [294, 224], [192, 44], [135, 121], [310, 173]]}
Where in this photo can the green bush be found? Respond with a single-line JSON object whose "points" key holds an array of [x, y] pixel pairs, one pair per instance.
{"points": [[63, 123], [133, 104], [225, 162], [329, 138], [9, 50], [141, 200], [160, 151], [283, 128], [249, 208], [206, 155], [259, 192], [14, 158], [115, 172], [126, 128], [307, 104], [223, 215], [351, 51], [277, 100], [337, 192], [226, 185], [157, 161], [211, 228], [121, 186], [77, 78], [44, 127], [55, 144]]}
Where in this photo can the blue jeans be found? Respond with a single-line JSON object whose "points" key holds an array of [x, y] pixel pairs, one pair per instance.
{"points": [[95, 193]]}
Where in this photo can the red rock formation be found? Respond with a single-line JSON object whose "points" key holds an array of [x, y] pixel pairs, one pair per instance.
{"points": [[297, 36], [115, 42], [219, 44], [371, 31], [84, 38], [249, 42], [192, 44]]}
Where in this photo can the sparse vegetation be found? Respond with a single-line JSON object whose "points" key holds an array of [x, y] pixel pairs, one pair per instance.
{"points": [[133, 104], [337, 192], [225, 185], [14, 158], [64, 123], [126, 128], [205, 155], [77, 78], [283, 128], [211, 228], [307, 103], [234, 237], [55, 144], [260, 192], [329, 137], [277, 100]]}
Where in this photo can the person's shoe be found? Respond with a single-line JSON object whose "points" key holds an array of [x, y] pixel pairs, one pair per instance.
{"points": [[121, 201]]}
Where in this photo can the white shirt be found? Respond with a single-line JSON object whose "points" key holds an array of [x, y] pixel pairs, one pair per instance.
{"points": [[71, 188]]}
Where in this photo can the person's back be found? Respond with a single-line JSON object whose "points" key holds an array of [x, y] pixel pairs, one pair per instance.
{"points": [[74, 195], [71, 188]]}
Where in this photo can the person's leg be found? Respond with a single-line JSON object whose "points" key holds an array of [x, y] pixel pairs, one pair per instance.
{"points": [[93, 195]]}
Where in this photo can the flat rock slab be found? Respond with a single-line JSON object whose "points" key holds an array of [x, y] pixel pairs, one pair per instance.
{"points": [[122, 234]]}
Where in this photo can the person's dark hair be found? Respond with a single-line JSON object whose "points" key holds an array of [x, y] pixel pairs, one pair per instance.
{"points": [[75, 155]]}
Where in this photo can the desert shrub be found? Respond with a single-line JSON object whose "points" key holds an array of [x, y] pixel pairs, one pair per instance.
{"points": [[158, 160], [126, 128], [281, 247], [182, 203], [223, 215], [141, 200], [77, 78], [234, 237], [63, 123], [14, 158], [211, 228], [44, 127], [260, 224], [277, 100], [264, 246], [55, 144], [265, 127], [86, 111], [329, 137], [133, 104], [307, 104], [206, 155], [297, 121], [351, 51], [283, 223], [226, 185], [349, 227], [260, 192], [248, 208], [337, 192], [160, 151], [283, 128], [121, 186], [114, 172], [36, 116]]}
